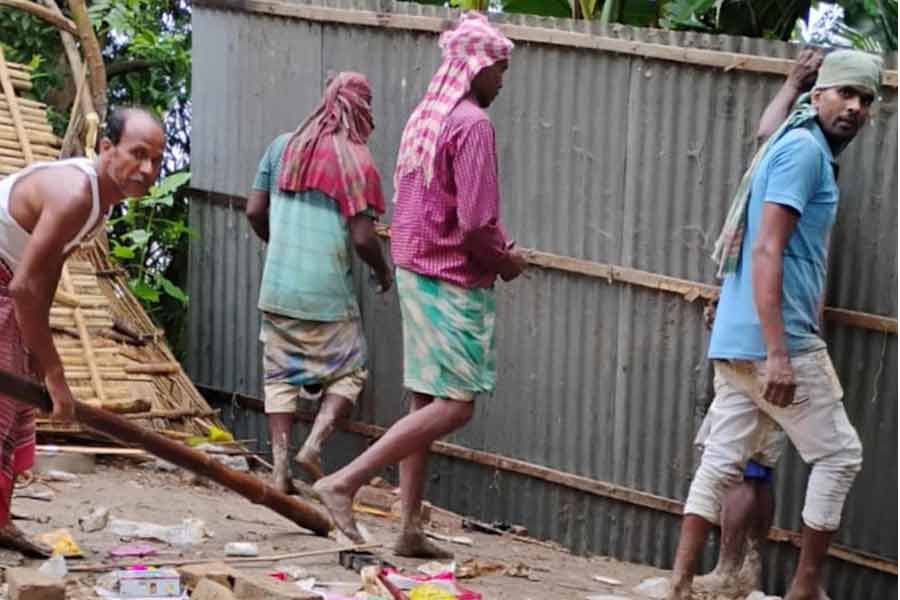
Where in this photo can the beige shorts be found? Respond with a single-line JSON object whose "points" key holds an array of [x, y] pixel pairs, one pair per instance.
{"points": [[769, 439], [281, 397]]}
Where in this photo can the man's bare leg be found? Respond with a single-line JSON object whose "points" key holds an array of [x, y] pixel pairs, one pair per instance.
{"points": [[805, 585], [411, 434], [412, 541], [746, 518], [332, 408], [694, 530], [12, 537], [280, 425]]}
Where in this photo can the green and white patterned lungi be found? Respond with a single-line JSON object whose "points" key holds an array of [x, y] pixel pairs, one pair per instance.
{"points": [[449, 349]]}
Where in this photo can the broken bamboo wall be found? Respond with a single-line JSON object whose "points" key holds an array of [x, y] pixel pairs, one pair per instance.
{"points": [[624, 162]]}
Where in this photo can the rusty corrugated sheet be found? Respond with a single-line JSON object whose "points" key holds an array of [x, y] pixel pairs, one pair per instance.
{"points": [[606, 157]]}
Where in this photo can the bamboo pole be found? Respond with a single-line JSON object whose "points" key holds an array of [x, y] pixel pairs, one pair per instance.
{"points": [[39, 11], [14, 109], [85, 339], [70, 45], [301, 513], [727, 61]]}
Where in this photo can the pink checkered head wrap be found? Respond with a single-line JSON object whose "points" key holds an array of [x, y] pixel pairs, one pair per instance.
{"points": [[467, 49]]}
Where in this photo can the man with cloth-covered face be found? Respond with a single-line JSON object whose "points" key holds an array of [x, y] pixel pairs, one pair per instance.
{"points": [[772, 366]]}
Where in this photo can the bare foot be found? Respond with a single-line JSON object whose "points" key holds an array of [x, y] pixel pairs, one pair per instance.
{"points": [[725, 582], [284, 484], [798, 593], [679, 589], [340, 506], [13, 538], [311, 463], [414, 544]]}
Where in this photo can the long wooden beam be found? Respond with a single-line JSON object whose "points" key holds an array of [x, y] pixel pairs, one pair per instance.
{"points": [[588, 485], [95, 419], [727, 61]]}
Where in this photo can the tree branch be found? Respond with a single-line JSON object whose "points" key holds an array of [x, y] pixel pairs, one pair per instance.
{"points": [[130, 66], [45, 14]]}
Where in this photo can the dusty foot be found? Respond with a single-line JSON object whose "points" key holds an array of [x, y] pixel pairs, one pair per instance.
{"points": [[414, 544], [311, 463], [798, 593], [13, 538], [725, 582], [679, 589], [284, 484], [340, 506]]}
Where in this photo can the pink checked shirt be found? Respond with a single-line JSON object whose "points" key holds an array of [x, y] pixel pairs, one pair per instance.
{"points": [[451, 230]]}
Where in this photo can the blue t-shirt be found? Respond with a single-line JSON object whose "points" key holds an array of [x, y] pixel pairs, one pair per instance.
{"points": [[798, 172], [308, 258]]}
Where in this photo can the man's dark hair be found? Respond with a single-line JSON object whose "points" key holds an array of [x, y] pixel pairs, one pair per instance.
{"points": [[118, 118]]}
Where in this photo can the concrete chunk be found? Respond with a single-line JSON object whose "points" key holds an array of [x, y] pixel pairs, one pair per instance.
{"points": [[208, 589], [219, 572], [263, 587], [28, 584], [70, 462]]}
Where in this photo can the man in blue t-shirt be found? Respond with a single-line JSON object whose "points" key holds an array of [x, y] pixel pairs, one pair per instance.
{"points": [[748, 507], [771, 363]]}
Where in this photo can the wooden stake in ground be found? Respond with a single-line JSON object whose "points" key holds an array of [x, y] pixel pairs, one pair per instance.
{"points": [[114, 426]]}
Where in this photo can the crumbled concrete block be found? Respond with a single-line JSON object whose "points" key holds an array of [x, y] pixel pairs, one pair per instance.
{"points": [[219, 572], [207, 589], [69, 462], [28, 584], [263, 587]]}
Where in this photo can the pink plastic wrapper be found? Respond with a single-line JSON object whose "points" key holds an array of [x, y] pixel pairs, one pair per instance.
{"points": [[445, 580]]}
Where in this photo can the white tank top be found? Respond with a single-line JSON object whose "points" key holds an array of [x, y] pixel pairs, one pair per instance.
{"points": [[13, 238]]}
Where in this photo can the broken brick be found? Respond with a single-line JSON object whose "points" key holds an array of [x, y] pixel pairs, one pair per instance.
{"points": [[263, 587], [207, 589], [219, 572], [28, 584]]}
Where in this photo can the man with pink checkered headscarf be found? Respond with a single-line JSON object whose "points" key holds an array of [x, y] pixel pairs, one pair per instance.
{"points": [[449, 248]]}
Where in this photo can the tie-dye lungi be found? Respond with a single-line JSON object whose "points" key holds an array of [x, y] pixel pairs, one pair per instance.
{"points": [[300, 354], [449, 349]]}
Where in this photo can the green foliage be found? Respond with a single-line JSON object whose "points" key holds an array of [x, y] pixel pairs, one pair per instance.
{"points": [[545, 8], [149, 238]]}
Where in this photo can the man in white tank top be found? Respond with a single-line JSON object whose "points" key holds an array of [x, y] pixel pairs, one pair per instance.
{"points": [[46, 210]]}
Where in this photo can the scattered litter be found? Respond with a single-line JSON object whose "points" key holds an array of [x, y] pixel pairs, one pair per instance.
{"points": [[473, 567], [45, 495], [294, 571], [55, 567], [134, 549], [436, 567], [18, 516], [219, 454], [188, 532], [607, 580], [654, 587], [241, 549], [160, 465], [758, 595], [442, 586], [61, 542], [96, 521], [521, 570], [141, 584], [454, 539], [57, 475]]}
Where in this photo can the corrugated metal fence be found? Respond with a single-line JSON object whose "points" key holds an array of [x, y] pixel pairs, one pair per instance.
{"points": [[607, 157]]}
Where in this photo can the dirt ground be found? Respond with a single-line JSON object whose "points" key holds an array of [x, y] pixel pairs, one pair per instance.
{"points": [[134, 491]]}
